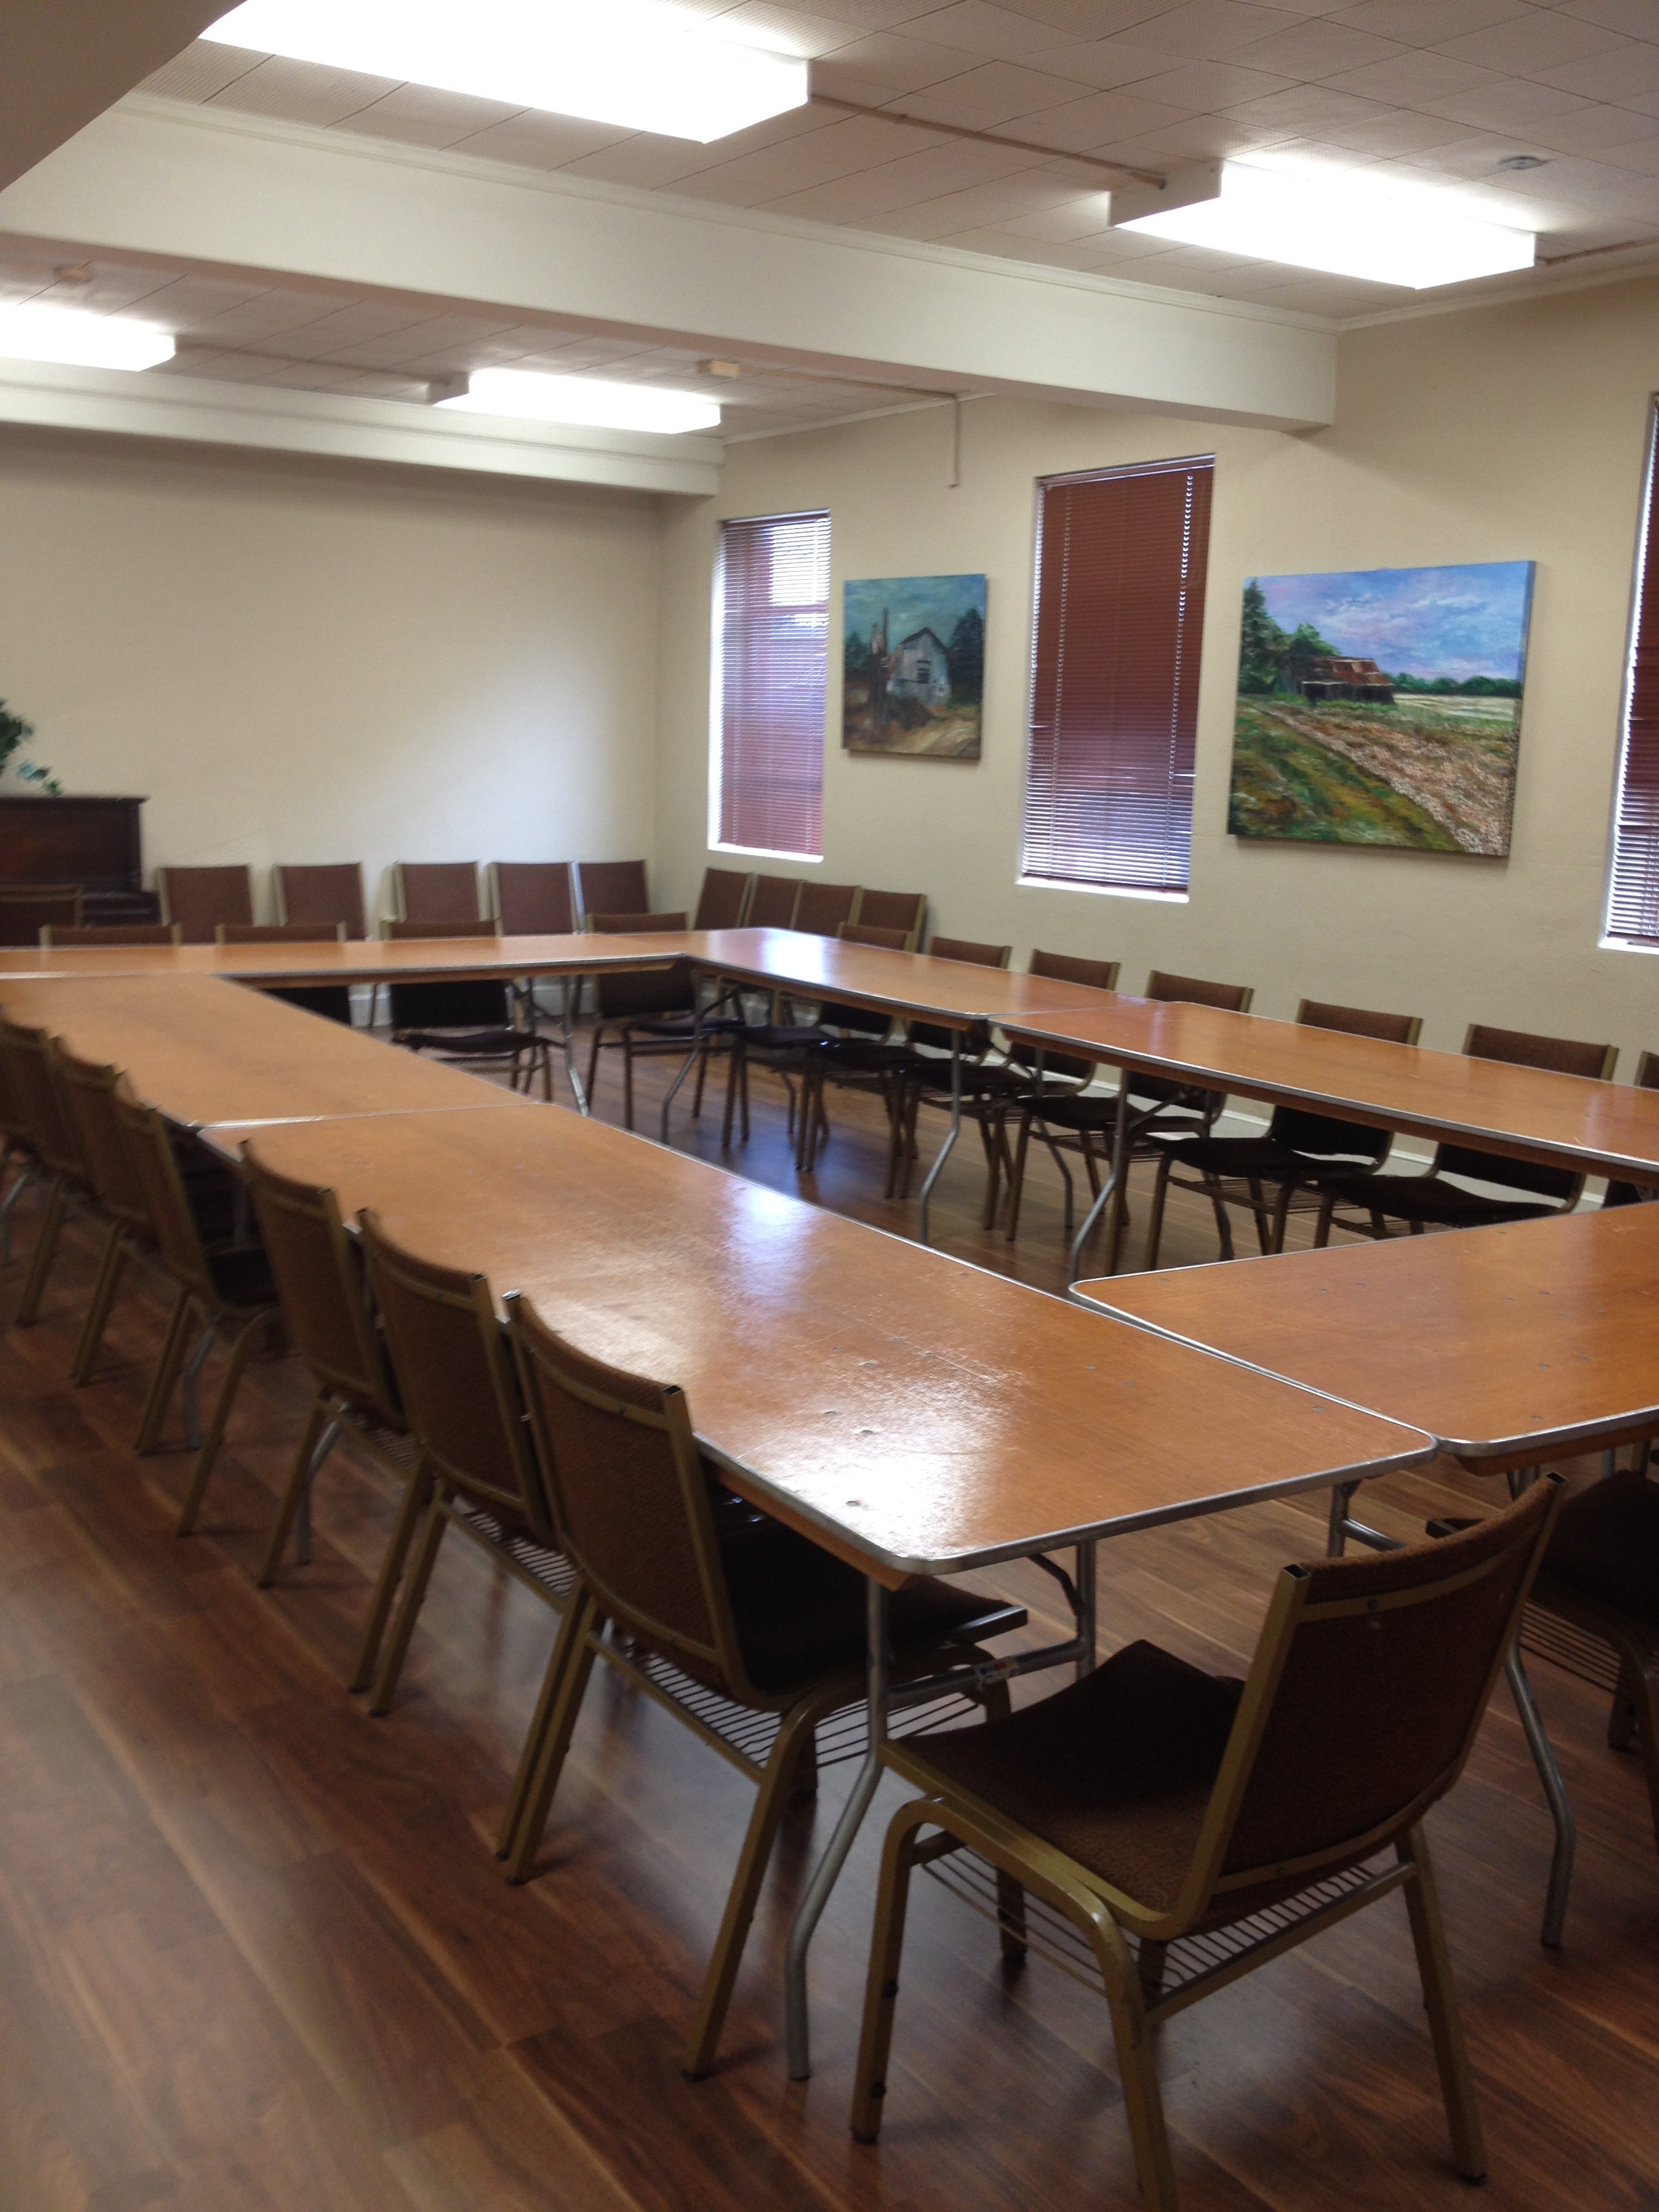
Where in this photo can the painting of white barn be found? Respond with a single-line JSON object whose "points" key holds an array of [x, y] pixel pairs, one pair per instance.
{"points": [[912, 666]]}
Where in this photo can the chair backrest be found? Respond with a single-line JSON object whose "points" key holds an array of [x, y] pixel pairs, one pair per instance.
{"points": [[1323, 1134], [863, 1021], [723, 902], [438, 891], [823, 908], [323, 1285], [1193, 991], [199, 899], [280, 932], [1068, 967], [88, 1090], [27, 909], [37, 1096], [1369, 1682], [902, 910], [862, 933], [1519, 1048], [454, 1374], [535, 898], [411, 930], [329, 892], [977, 1040], [660, 991], [611, 887], [155, 1166], [773, 901], [630, 1494], [115, 932]]}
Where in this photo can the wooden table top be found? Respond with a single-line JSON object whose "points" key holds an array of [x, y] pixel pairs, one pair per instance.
{"points": [[205, 1050], [911, 1412], [372, 960], [1503, 1343], [1528, 1113]]}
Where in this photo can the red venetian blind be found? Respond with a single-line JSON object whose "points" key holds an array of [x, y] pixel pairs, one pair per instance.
{"points": [[1120, 612], [774, 622], [1633, 892]]}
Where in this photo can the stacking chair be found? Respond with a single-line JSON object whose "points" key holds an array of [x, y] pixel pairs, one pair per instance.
{"points": [[985, 1084], [1301, 1151], [332, 1000], [535, 898], [199, 899], [460, 1397], [901, 910], [1151, 1804], [17, 1153], [332, 892], [323, 1287], [88, 1092], [611, 887], [723, 902], [822, 908], [1050, 1074], [54, 1142], [471, 1021], [1632, 1194], [773, 901], [115, 932], [653, 1012], [858, 1051], [719, 1613], [229, 1291], [26, 910], [437, 891], [1428, 1200], [1158, 1106]]}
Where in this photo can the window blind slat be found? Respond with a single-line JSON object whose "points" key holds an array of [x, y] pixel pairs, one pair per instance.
{"points": [[1119, 611], [1633, 893], [774, 628]]}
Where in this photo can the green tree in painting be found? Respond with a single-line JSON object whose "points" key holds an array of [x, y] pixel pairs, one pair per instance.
{"points": [[1262, 645], [855, 656], [965, 654]]}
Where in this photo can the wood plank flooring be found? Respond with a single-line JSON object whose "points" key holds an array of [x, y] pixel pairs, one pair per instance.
{"points": [[256, 1955]]}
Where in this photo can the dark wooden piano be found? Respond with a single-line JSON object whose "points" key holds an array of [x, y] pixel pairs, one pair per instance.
{"points": [[93, 842]]}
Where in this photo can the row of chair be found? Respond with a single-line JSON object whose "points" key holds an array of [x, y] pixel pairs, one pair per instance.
{"points": [[1146, 1803]]}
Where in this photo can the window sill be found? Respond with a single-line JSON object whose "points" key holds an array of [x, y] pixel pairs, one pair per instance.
{"points": [[1102, 891], [766, 853]]}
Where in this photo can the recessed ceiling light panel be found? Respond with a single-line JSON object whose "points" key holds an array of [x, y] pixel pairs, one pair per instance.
{"points": [[593, 400], [78, 340], [1345, 222], [640, 64]]}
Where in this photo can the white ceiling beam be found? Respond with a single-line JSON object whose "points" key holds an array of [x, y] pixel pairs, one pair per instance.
{"points": [[157, 177], [63, 62], [195, 411]]}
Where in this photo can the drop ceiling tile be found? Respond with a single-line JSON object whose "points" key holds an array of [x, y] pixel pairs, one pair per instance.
{"points": [[1596, 130], [1095, 19], [1188, 138], [649, 164], [418, 115], [1104, 63], [1318, 48], [982, 207], [200, 71], [996, 91], [978, 28], [1312, 109], [1420, 79], [1641, 154], [1085, 215], [904, 65], [533, 140], [1510, 104], [302, 92], [1204, 30], [1203, 86], [1422, 22], [1085, 125], [1633, 16], [1613, 76], [1534, 43], [766, 175], [791, 30]]}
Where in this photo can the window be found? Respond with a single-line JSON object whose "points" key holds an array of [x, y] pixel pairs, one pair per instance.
{"points": [[1633, 889], [1115, 657], [771, 629]]}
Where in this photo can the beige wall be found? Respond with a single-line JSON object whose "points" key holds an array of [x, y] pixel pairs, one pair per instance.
{"points": [[294, 663], [1510, 434]]}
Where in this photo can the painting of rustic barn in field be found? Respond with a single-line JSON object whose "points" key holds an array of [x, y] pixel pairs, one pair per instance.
{"points": [[912, 666], [1382, 707]]}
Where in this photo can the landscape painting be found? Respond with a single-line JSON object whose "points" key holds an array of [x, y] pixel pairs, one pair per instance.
{"points": [[913, 666], [1382, 707]]}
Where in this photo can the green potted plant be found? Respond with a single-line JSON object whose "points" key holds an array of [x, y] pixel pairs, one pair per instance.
{"points": [[13, 731]]}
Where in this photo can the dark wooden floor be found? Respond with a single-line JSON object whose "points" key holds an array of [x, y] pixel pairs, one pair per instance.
{"points": [[256, 1956]]}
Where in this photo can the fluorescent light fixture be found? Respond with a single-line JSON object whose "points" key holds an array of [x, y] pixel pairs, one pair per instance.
{"points": [[640, 64], [1347, 223], [79, 340], [589, 399]]}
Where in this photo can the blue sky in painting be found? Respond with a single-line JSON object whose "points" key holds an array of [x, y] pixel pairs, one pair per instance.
{"points": [[912, 603], [1467, 621]]}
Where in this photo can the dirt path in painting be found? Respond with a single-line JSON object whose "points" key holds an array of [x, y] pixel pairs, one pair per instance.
{"points": [[1464, 782]]}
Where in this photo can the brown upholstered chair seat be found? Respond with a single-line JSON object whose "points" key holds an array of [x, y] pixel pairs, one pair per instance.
{"points": [[1606, 1545], [799, 1611], [470, 1044], [1116, 1771], [1256, 1156], [1435, 1204], [242, 1276]]}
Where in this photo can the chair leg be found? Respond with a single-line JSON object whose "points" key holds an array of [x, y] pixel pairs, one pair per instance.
{"points": [[215, 1428], [417, 1496], [166, 1375], [110, 1267], [734, 1069], [744, 1893], [1440, 2001], [1137, 2068], [1646, 1701], [1155, 1219], [1281, 1214], [881, 1986], [594, 1059], [1555, 1791], [628, 1080], [45, 1249], [542, 1760], [420, 1574], [316, 1442], [696, 1088]]}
